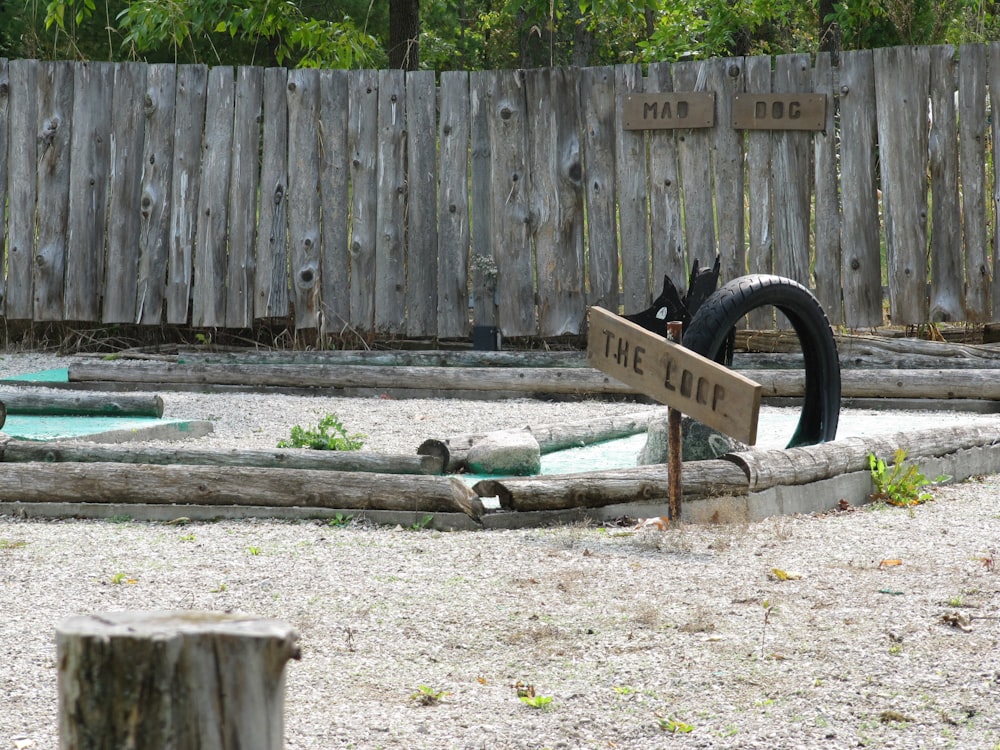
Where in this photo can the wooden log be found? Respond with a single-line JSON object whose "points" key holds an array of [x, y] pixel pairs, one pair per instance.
{"points": [[254, 486], [82, 404], [770, 468], [849, 345], [172, 680], [595, 489], [467, 358], [21, 451], [554, 437]]}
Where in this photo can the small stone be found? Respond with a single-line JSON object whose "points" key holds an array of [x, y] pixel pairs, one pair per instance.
{"points": [[511, 452]]}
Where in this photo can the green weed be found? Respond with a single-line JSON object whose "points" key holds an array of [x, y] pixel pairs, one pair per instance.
{"points": [[541, 702], [329, 435], [339, 521], [6, 544], [428, 696], [674, 726], [901, 484]]}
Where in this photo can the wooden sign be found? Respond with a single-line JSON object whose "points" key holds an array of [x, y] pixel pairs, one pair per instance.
{"points": [[673, 375], [663, 111], [779, 111]]}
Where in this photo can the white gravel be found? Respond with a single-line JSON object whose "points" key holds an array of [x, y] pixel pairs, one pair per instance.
{"points": [[625, 631]]}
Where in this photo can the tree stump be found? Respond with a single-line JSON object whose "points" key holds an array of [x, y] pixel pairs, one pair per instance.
{"points": [[177, 680]]}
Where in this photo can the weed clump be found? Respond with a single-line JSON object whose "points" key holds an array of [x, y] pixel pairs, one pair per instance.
{"points": [[329, 435]]}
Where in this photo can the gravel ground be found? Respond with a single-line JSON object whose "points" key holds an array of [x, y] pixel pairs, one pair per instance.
{"points": [[632, 634]]}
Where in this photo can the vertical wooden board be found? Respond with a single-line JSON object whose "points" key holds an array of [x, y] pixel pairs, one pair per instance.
{"points": [[334, 200], [861, 271], [209, 308], [633, 197], [244, 186], [421, 205], [511, 215], [792, 182], [972, 125], [665, 227], [271, 255], [902, 86], [4, 122], [21, 161], [90, 145], [695, 150], [994, 88], [482, 262], [453, 207], [154, 222], [185, 187], [727, 78], [826, 267], [362, 140], [597, 89], [947, 267], [303, 195], [390, 239], [55, 108], [757, 72], [556, 198], [122, 268]]}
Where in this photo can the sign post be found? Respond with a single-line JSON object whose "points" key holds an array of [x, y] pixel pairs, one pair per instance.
{"points": [[688, 382]]}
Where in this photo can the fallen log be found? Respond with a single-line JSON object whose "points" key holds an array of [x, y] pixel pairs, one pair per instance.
{"points": [[577, 380], [391, 357], [204, 485], [551, 437], [81, 404], [23, 451], [792, 466], [597, 489], [954, 384]]}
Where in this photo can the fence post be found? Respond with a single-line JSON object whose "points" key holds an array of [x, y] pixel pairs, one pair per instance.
{"points": [[179, 680]]}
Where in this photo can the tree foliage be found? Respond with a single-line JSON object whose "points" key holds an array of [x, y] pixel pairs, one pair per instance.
{"points": [[463, 34]]}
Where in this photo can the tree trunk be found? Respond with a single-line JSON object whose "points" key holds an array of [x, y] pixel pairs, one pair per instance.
{"points": [[172, 681], [404, 34]]}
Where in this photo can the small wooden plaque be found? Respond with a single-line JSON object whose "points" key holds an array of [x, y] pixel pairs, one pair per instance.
{"points": [[669, 110], [779, 111], [673, 375]]}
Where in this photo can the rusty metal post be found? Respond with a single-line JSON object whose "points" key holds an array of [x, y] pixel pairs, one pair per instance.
{"points": [[675, 439]]}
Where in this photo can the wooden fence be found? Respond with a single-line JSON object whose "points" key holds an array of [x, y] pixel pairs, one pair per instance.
{"points": [[395, 204]]}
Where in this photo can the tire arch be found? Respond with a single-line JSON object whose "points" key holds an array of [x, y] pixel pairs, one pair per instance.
{"points": [[711, 329]]}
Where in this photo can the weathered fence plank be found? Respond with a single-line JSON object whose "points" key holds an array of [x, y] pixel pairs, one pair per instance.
{"points": [[334, 200], [597, 88], [947, 272], [556, 198], [390, 239], [189, 117], [792, 185], [862, 268], [209, 303], [511, 212], [362, 140], [826, 269], [902, 83], [453, 207], [4, 123], [55, 106], [695, 149], [994, 86], [421, 240], [972, 126], [244, 184], [726, 78], [21, 150], [303, 195], [633, 197], [271, 273], [666, 229], [127, 136], [90, 146], [482, 262], [155, 205], [757, 71]]}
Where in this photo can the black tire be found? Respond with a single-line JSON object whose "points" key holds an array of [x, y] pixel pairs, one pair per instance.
{"points": [[714, 323]]}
